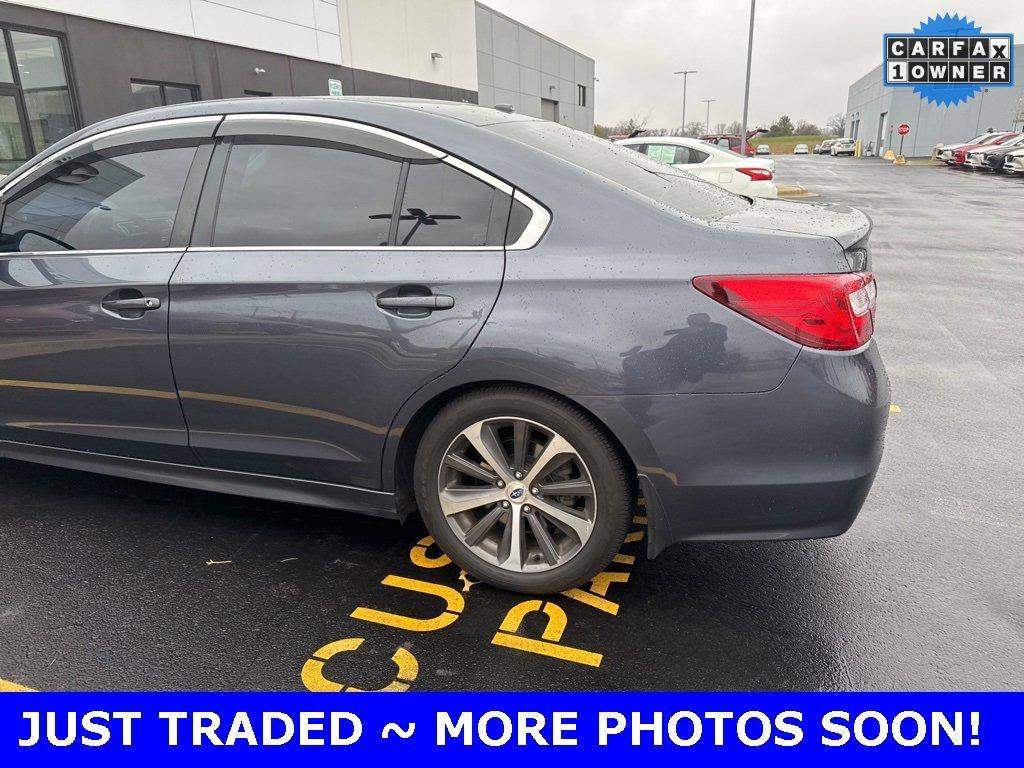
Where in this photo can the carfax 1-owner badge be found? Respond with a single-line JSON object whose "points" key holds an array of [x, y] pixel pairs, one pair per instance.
{"points": [[948, 59]]}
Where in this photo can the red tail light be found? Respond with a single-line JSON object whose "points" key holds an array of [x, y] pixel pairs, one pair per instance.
{"points": [[834, 311], [757, 174]]}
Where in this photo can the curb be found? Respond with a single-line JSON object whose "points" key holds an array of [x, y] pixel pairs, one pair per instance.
{"points": [[794, 190]]}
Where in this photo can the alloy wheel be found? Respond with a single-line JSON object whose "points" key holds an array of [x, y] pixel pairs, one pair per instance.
{"points": [[517, 494]]}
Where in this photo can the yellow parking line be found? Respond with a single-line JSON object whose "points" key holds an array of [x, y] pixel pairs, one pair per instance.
{"points": [[6, 686]]}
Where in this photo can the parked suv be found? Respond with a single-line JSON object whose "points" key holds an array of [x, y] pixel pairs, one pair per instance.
{"points": [[384, 306]]}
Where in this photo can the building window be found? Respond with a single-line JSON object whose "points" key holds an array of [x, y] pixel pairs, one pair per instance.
{"points": [[36, 107], [146, 94], [581, 95]]}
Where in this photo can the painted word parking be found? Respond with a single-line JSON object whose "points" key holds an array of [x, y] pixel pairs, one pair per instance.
{"points": [[531, 627]]}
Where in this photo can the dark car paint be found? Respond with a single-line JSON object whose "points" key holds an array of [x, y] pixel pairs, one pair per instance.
{"points": [[75, 376], [602, 312]]}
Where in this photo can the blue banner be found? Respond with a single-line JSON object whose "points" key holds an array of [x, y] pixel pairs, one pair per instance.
{"points": [[226, 729]]}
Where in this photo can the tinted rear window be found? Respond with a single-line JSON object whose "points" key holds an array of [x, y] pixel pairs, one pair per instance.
{"points": [[305, 195], [621, 165]]}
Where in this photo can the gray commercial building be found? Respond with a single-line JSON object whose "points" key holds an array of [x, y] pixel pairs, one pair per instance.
{"points": [[874, 112], [533, 73], [67, 63]]}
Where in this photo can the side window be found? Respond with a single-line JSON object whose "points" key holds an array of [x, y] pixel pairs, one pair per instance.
{"points": [[295, 194], [724, 143], [671, 154], [125, 197], [696, 156], [444, 206], [518, 220]]}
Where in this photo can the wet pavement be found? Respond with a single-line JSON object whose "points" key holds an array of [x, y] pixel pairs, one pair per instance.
{"points": [[115, 584]]}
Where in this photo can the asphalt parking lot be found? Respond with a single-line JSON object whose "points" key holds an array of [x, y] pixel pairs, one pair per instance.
{"points": [[121, 585]]}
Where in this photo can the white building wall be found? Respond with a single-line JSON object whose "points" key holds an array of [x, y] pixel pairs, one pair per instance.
{"points": [[397, 37], [930, 124], [307, 29], [520, 66]]}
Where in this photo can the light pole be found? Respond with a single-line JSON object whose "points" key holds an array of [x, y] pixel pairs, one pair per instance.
{"points": [[707, 120], [746, 88], [685, 73], [981, 104]]}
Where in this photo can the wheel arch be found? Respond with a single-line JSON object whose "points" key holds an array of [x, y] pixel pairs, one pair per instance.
{"points": [[407, 431]]}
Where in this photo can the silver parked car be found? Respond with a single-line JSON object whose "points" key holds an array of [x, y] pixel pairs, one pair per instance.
{"points": [[384, 306]]}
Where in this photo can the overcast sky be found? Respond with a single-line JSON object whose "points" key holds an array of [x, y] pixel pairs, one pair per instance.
{"points": [[806, 54]]}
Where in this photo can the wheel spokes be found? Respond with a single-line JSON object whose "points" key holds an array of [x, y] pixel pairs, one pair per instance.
{"points": [[518, 523], [471, 468], [578, 487], [510, 553], [484, 439], [555, 453], [545, 543], [476, 534], [521, 443], [567, 519], [460, 499]]}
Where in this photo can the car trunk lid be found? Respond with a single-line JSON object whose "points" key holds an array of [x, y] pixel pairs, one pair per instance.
{"points": [[847, 226]]}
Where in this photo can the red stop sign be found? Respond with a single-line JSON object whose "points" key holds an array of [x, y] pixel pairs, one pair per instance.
{"points": [[903, 130]]}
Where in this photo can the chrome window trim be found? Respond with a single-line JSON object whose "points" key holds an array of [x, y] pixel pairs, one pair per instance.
{"points": [[10, 182], [85, 252], [363, 248], [380, 132], [478, 173]]}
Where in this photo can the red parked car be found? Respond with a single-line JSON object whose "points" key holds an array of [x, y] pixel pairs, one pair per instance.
{"points": [[732, 141], [960, 154]]}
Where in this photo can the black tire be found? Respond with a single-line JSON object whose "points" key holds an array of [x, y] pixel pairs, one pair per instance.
{"points": [[613, 485]]}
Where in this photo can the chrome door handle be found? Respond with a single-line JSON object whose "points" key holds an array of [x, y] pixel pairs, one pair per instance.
{"points": [[432, 302], [143, 304]]}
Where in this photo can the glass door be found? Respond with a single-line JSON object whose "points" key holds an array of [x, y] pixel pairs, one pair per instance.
{"points": [[13, 147], [36, 106]]}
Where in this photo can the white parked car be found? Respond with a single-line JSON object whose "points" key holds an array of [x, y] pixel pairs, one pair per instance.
{"points": [[843, 147], [743, 175], [1015, 162], [945, 152], [977, 158], [800, 149], [763, 149]]}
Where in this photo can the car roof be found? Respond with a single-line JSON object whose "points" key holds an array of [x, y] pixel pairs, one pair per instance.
{"points": [[684, 141], [369, 109]]}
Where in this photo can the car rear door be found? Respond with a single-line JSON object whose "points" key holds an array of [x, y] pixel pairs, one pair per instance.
{"points": [[88, 243], [334, 270]]}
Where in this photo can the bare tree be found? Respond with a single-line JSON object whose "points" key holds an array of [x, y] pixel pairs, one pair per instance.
{"points": [[734, 127], [631, 125], [693, 128], [720, 128], [836, 124]]}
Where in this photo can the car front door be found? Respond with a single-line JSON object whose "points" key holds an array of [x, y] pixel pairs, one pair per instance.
{"points": [[334, 270], [88, 243]]}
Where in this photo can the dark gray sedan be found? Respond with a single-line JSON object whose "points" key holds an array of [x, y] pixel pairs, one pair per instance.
{"points": [[381, 306]]}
